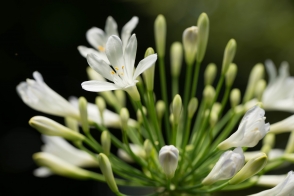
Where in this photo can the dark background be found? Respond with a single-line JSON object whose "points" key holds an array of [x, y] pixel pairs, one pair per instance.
{"points": [[44, 35]]}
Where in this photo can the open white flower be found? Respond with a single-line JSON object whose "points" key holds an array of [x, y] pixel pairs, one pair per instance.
{"points": [[37, 95], [284, 188], [226, 167], [279, 94], [60, 148], [121, 71], [97, 38], [251, 129]]}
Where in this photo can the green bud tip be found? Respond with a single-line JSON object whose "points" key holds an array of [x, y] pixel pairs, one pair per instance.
{"points": [[192, 107], [190, 36], [160, 34], [229, 55], [176, 58], [203, 31], [210, 73], [177, 108], [231, 74]]}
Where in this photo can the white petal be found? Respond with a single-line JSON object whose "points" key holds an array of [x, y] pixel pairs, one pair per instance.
{"points": [[110, 27], [144, 64], [99, 86], [127, 30], [42, 172], [93, 75], [271, 70], [96, 37], [130, 56], [114, 51], [85, 50], [100, 66]]}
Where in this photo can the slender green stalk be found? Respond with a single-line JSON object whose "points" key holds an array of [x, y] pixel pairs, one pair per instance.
{"points": [[175, 86], [225, 99], [187, 87], [195, 80]]}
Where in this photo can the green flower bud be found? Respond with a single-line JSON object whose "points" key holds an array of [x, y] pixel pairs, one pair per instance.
{"points": [[148, 75], [49, 127], [171, 119], [213, 118], [176, 58], [71, 123], [229, 55], [148, 147], [124, 117], [100, 104], [84, 114], [177, 108], [209, 74], [235, 97], [203, 31], [259, 89], [209, 94], [290, 144], [231, 74], [190, 44], [160, 34], [106, 142], [121, 97], [216, 107], [252, 167], [106, 169], [192, 107], [139, 114], [160, 109]]}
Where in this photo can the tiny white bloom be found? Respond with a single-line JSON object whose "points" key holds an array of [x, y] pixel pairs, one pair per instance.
{"points": [[226, 167], [97, 38], [121, 69], [37, 95], [137, 150], [279, 94], [60, 148], [251, 129], [284, 188], [168, 159]]}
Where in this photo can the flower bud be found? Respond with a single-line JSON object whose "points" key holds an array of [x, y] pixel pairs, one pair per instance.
{"points": [[290, 144], [106, 142], [121, 97], [229, 55], [192, 107], [84, 114], [231, 74], [101, 105], [47, 126], [139, 114], [160, 34], [190, 44], [216, 107], [176, 58], [235, 97], [252, 128], [71, 123], [209, 94], [59, 166], [213, 118], [226, 167], [252, 167], [177, 108], [124, 117], [160, 109], [148, 75], [106, 169], [171, 119], [260, 87], [148, 147], [203, 31], [209, 74], [168, 159]]}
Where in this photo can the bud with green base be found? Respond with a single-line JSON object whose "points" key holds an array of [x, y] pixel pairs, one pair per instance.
{"points": [[203, 32], [160, 35], [190, 44], [209, 74], [84, 114], [229, 55], [176, 58], [148, 75]]}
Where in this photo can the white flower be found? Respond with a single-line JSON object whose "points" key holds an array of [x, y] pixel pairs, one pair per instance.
{"points": [[251, 129], [137, 150], [273, 154], [226, 167], [270, 180], [168, 159], [60, 148], [284, 188], [121, 71], [279, 94], [37, 95], [285, 125], [97, 38]]}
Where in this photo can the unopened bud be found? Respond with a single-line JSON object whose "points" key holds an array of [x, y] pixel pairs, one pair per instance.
{"points": [[213, 118], [160, 109], [171, 119], [235, 97], [139, 114], [100, 104], [190, 44], [160, 34], [216, 107], [209, 94], [71, 123], [84, 114], [148, 147], [209, 74], [124, 117], [176, 58], [49, 127], [177, 108], [259, 89], [192, 107], [229, 55], [148, 75], [106, 142], [168, 159], [231, 74], [121, 97], [203, 32]]}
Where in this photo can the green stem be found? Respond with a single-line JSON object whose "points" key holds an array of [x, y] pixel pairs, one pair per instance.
{"points": [[174, 134], [187, 87], [175, 86], [225, 99]]}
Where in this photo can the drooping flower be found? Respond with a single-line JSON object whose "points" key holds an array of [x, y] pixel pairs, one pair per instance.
{"points": [[168, 159], [121, 71], [282, 189], [279, 93], [60, 148], [37, 95], [97, 38], [251, 129], [226, 167]]}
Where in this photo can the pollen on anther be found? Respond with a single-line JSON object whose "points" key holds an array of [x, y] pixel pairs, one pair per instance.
{"points": [[123, 67], [101, 48], [112, 72], [116, 68]]}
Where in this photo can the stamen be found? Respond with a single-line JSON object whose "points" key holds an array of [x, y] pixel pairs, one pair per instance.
{"points": [[101, 48], [123, 67], [116, 68], [112, 72]]}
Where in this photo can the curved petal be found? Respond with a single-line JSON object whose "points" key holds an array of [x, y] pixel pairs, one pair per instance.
{"points": [[99, 86], [85, 50], [144, 64], [42, 172], [127, 30], [114, 52], [96, 37], [100, 66], [110, 27], [271, 70], [130, 56]]}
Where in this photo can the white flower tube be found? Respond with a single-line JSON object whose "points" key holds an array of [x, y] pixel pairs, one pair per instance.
{"points": [[279, 94], [251, 129], [285, 125], [226, 167], [270, 180], [284, 188], [37, 95], [168, 159], [273, 154]]}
